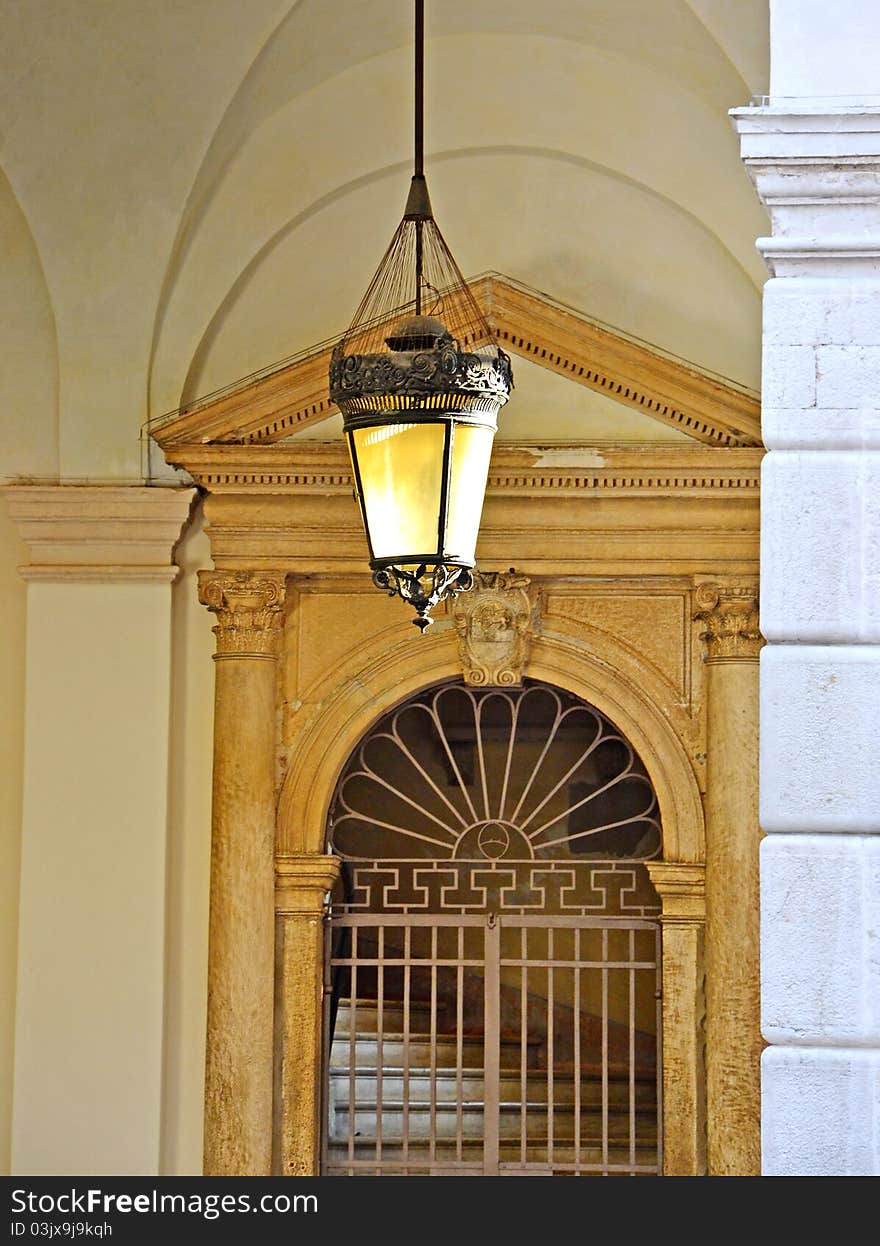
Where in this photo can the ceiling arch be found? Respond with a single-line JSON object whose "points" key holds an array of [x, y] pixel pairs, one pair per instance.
{"points": [[640, 129], [29, 377], [620, 275], [307, 47], [155, 150], [105, 109]]}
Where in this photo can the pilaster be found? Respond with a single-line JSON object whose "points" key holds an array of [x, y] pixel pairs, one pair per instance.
{"points": [[97, 716], [302, 883], [682, 890]]}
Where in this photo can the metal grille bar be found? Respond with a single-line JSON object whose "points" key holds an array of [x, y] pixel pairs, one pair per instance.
{"points": [[493, 1044], [463, 774], [494, 958]]}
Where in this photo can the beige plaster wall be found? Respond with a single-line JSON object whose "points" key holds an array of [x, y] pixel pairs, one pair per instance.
{"points": [[119, 1021], [12, 640], [89, 1015]]}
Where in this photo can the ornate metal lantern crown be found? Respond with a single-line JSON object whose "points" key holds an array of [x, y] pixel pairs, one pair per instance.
{"points": [[420, 380]]}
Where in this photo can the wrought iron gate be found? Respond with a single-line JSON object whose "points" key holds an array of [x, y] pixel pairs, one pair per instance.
{"points": [[493, 1008]]}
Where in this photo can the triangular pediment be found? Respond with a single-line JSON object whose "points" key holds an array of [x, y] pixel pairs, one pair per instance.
{"points": [[274, 405]]}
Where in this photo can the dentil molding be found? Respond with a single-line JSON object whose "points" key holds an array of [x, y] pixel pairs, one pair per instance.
{"points": [[324, 469], [269, 407]]}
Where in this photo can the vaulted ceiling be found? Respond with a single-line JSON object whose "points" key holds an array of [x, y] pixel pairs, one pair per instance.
{"points": [[191, 190]]}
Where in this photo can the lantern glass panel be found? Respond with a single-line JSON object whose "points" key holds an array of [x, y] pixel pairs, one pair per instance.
{"points": [[401, 471], [471, 448]]}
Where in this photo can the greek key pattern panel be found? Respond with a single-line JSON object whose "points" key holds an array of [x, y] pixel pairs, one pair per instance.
{"points": [[576, 889]]}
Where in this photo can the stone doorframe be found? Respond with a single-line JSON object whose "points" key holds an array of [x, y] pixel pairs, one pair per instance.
{"points": [[387, 678], [645, 561]]}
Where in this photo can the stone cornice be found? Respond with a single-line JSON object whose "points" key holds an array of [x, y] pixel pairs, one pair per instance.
{"points": [[324, 468], [817, 169], [99, 533], [670, 390], [824, 128], [270, 406], [683, 510]]}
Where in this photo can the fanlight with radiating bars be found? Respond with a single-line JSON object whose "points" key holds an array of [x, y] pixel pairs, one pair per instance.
{"points": [[490, 774]]}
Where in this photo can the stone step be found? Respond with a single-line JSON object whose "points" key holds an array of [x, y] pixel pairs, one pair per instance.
{"points": [[470, 1118], [445, 1047], [448, 1088], [366, 1016]]}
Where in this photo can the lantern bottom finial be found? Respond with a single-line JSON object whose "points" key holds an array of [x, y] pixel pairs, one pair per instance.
{"points": [[424, 587]]}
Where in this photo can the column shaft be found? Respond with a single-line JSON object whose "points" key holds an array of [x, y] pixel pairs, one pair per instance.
{"points": [[302, 885], [733, 1026], [681, 889], [238, 1069]]}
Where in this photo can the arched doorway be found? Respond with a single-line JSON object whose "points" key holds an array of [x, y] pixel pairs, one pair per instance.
{"points": [[493, 948]]}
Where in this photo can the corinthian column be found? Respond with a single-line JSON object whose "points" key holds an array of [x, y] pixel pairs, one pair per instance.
{"points": [[729, 613], [238, 1073]]}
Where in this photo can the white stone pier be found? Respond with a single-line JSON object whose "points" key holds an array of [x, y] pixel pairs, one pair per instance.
{"points": [[812, 149]]}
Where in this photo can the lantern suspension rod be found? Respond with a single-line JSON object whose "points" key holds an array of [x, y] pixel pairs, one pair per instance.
{"points": [[419, 138], [418, 205]]}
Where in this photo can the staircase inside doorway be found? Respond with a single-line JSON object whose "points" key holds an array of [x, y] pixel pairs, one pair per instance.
{"points": [[420, 1088]]}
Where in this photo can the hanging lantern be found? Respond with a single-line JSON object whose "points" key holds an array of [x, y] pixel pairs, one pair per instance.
{"points": [[419, 380]]}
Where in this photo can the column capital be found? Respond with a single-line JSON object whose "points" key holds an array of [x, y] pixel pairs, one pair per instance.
{"points": [[729, 611], [302, 880], [681, 886], [248, 606]]}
